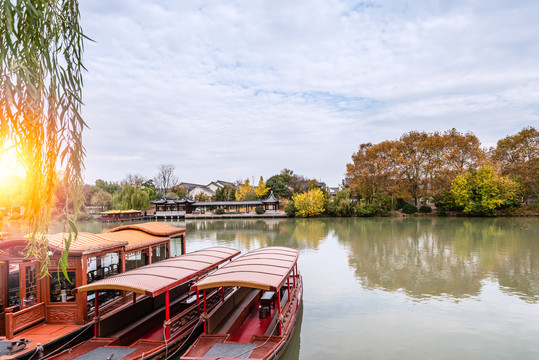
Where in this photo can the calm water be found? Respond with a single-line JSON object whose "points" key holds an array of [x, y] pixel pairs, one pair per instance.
{"points": [[386, 288]]}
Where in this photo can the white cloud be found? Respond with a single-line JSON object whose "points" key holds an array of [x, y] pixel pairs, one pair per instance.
{"points": [[237, 90]]}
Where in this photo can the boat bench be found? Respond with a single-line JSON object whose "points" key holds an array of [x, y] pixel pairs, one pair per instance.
{"points": [[156, 316], [228, 317]]}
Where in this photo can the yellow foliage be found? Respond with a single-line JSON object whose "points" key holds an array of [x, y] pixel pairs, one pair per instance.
{"points": [[310, 203], [243, 190], [262, 189]]}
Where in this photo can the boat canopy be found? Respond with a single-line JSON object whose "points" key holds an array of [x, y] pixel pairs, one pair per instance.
{"points": [[154, 279], [265, 269], [153, 228]]}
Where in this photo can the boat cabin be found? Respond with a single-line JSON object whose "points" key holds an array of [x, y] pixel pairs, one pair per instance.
{"points": [[255, 320], [28, 300]]}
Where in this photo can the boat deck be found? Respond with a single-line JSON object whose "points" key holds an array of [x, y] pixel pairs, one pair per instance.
{"points": [[252, 325], [257, 348], [40, 334], [102, 348]]}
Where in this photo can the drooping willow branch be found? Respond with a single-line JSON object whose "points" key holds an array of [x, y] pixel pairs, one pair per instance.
{"points": [[40, 103]]}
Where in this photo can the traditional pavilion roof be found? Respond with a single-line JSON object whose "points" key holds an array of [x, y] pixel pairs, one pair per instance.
{"points": [[159, 277], [271, 199], [229, 203], [169, 201], [265, 269]]}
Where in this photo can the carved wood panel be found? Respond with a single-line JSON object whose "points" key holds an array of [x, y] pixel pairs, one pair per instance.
{"points": [[63, 315], [25, 318]]}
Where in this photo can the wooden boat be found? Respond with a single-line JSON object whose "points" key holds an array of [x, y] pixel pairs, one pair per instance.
{"points": [[157, 323], [256, 320], [43, 311]]}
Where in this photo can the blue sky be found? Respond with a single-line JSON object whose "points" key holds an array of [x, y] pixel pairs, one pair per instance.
{"points": [[233, 90]]}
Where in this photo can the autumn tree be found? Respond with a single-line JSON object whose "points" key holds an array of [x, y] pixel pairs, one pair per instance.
{"points": [[246, 191], [461, 153], [310, 203], [517, 156], [373, 169], [165, 178], [261, 190], [179, 190]]}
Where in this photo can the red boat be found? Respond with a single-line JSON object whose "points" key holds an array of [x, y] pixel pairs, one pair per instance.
{"points": [[258, 316], [159, 321]]}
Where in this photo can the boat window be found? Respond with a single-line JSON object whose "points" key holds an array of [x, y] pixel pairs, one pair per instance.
{"points": [[13, 298], [60, 287], [159, 253], [136, 260]]}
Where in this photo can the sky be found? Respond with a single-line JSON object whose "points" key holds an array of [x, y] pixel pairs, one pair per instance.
{"points": [[231, 90]]}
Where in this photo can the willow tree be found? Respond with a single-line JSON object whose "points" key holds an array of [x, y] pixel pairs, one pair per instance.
{"points": [[40, 103]]}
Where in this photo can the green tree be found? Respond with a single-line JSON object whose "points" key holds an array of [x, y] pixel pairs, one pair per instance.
{"points": [[131, 198], [340, 205], [279, 185], [310, 203], [483, 193], [226, 193], [40, 104]]}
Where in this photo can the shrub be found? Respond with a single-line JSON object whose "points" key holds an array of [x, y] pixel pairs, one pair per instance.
{"points": [[220, 211], [409, 209], [366, 210], [310, 203], [400, 203], [382, 201], [425, 209], [441, 212], [290, 209], [260, 210]]}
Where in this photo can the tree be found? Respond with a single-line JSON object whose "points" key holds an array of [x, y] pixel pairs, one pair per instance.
{"points": [[102, 198], [341, 205], [262, 189], [226, 193], [310, 203], [279, 185], [484, 192], [179, 190], [109, 187], [165, 178], [40, 104], [517, 156], [131, 198], [373, 169], [246, 192]]}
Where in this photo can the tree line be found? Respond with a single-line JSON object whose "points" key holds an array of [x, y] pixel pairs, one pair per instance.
{"points": [[450, 169]]}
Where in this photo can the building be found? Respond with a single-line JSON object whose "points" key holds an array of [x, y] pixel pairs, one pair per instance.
{"points": [[180, 207]]}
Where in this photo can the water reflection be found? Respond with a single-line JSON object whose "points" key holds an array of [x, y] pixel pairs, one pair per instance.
{"points": [[443, 257], [252, 234]]}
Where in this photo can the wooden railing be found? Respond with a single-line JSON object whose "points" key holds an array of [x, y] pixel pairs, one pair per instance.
{"points": [[17, 321]]}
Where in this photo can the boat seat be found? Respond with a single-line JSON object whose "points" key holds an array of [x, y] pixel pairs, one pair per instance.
{"points": [[157, 316], [233, 321]]}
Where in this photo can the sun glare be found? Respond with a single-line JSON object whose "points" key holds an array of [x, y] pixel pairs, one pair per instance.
{"points": [[11, 168]]}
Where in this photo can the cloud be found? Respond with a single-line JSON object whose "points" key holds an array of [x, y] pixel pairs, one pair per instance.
{"points": [[238, 90]]}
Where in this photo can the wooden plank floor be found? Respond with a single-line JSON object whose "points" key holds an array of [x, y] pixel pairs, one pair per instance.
{"points": [[41, 333]]}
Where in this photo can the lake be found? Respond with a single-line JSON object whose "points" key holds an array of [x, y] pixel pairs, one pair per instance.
{"points": [[407, 288]]}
